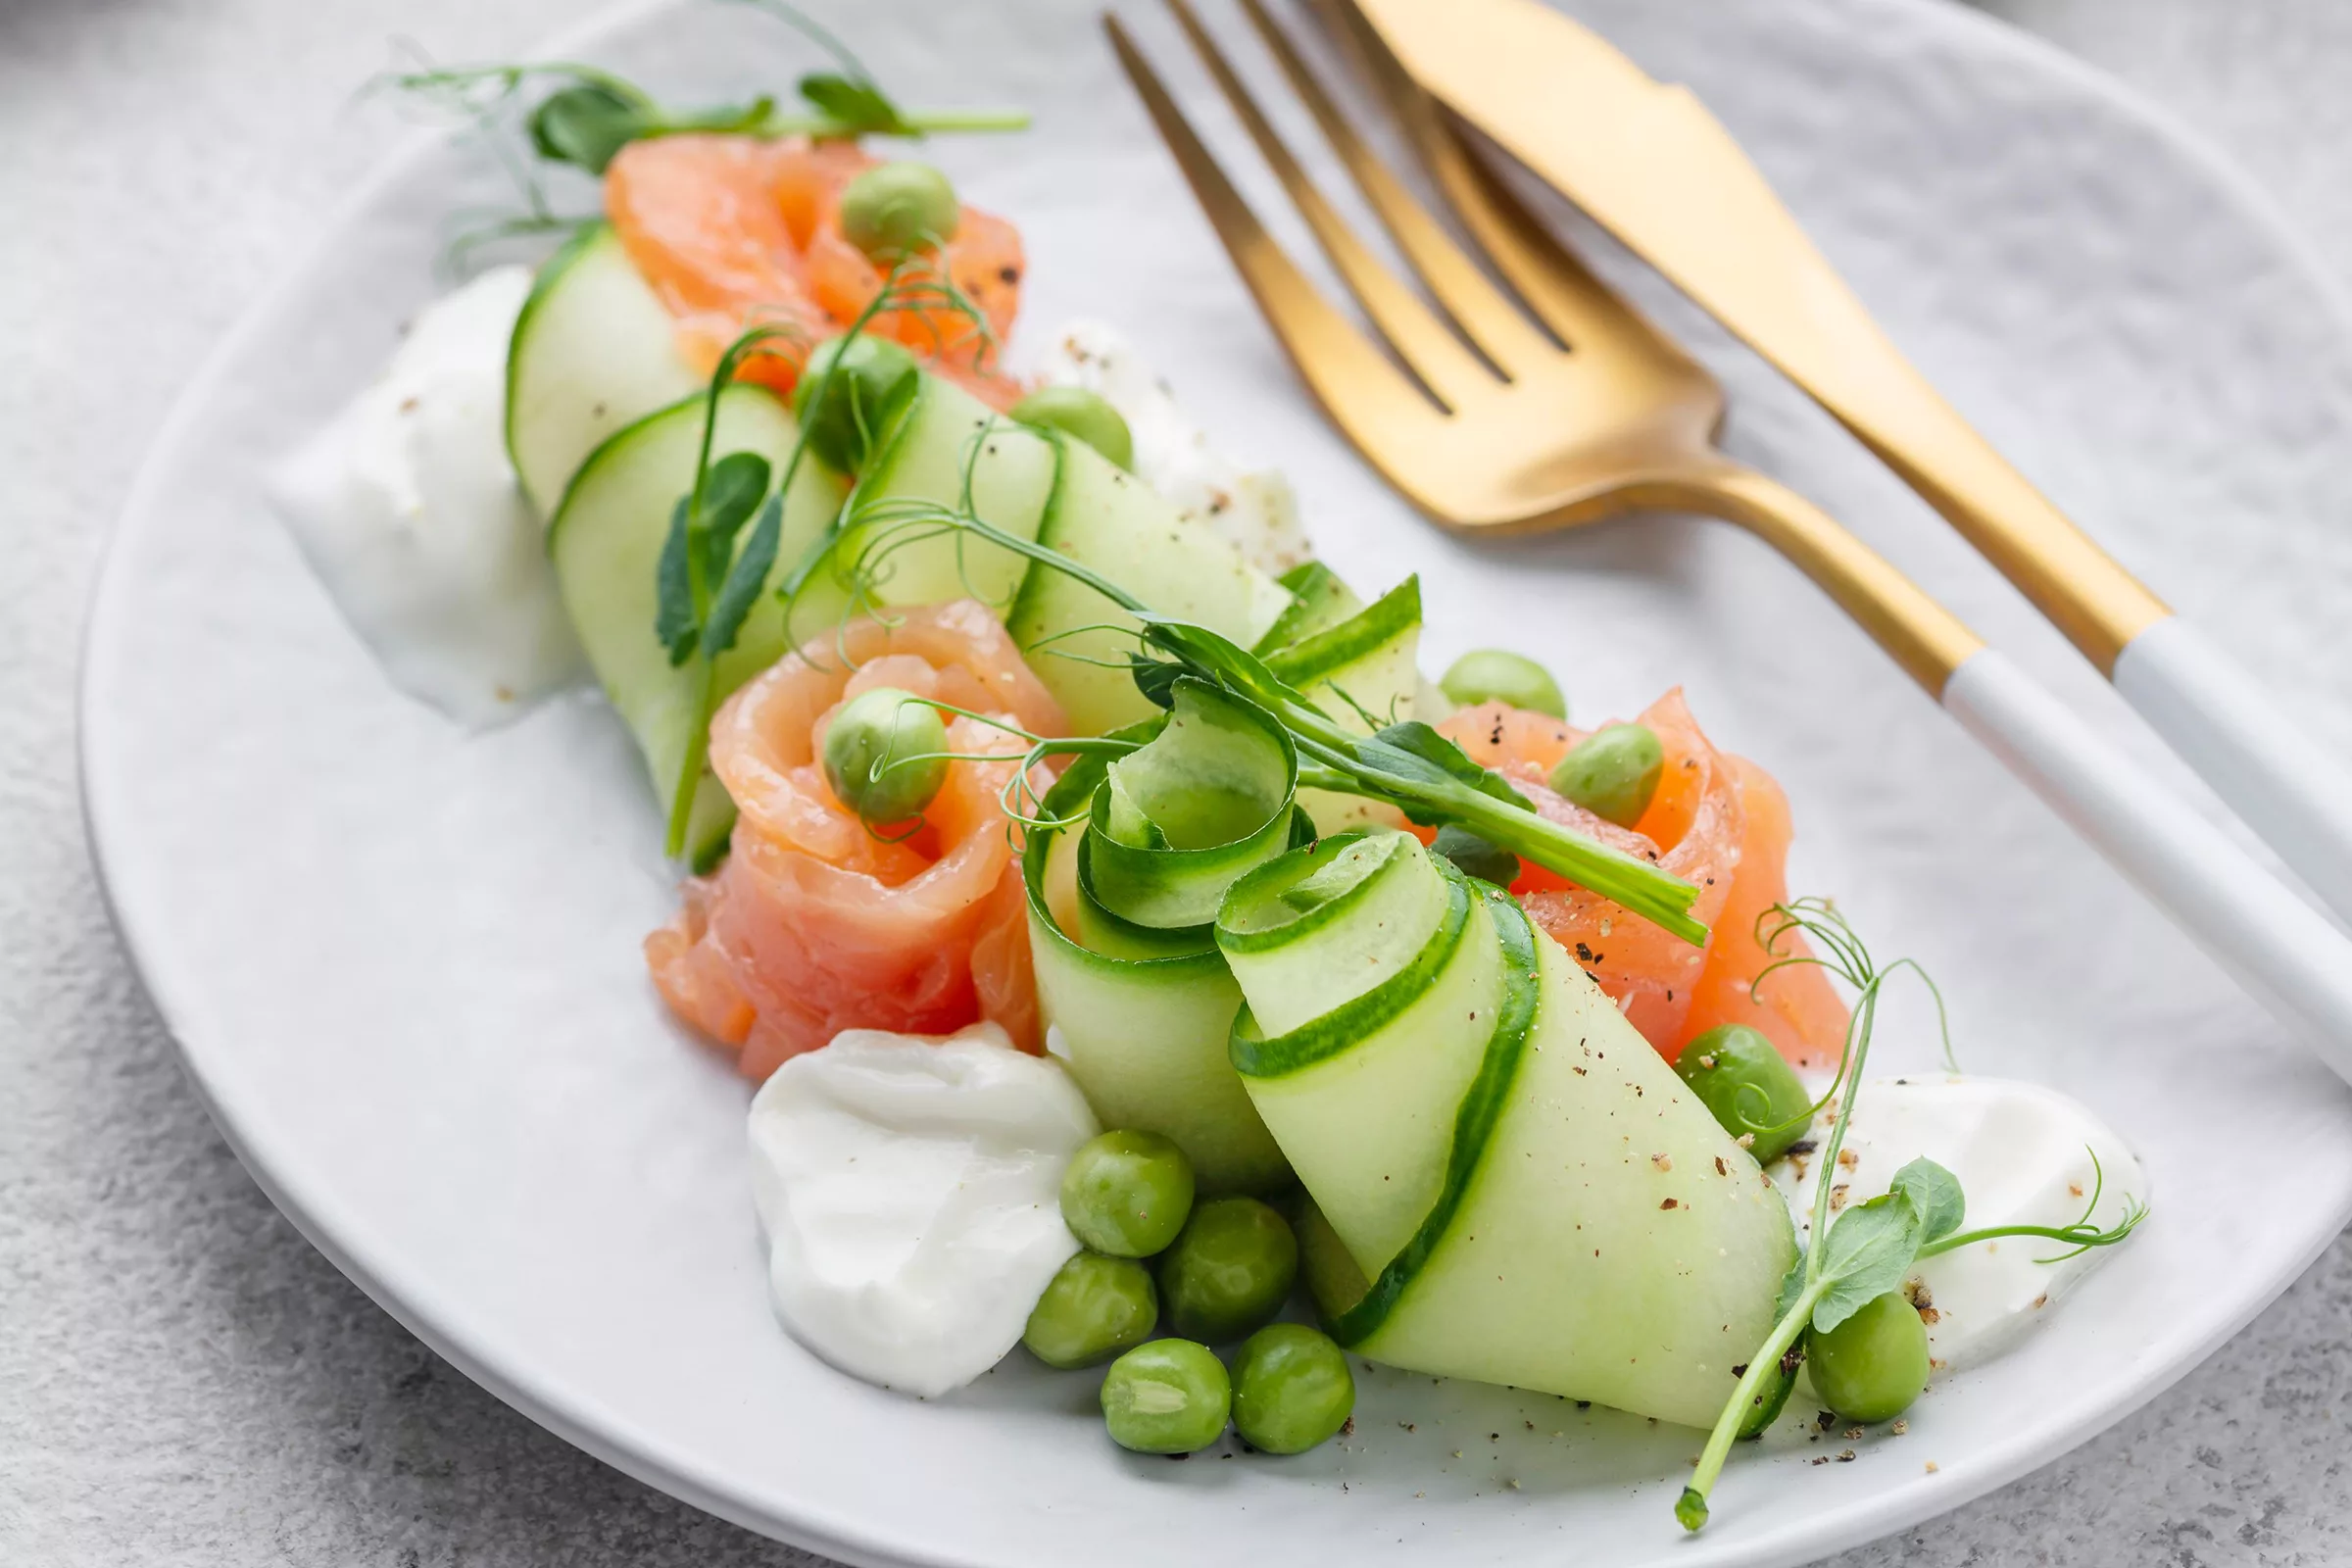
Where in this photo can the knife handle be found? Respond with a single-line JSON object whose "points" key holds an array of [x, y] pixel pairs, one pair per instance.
{"points": [[2263, 764], [2281, 949]]}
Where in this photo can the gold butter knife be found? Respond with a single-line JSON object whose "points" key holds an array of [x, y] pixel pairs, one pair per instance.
{"points": [[1646, 161]]}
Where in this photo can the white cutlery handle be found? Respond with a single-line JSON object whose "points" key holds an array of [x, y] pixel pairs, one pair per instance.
{"points": [[2265, 765], [2277, 947]]}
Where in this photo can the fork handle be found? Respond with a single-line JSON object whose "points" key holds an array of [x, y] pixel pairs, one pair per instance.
{"points": [[2215, 714], [2281, 949]]}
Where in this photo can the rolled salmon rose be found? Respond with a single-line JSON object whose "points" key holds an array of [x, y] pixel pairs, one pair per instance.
{"points": [[818, 923]]}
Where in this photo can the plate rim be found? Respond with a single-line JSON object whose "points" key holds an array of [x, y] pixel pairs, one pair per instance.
{"points": [[419, 1307]]}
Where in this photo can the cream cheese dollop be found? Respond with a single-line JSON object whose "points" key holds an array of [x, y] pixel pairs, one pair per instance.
{"points": [[909, 1187], [1255, 511], [408, 510], [2024, 1154]]}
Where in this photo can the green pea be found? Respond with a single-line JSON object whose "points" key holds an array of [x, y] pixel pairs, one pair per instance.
{"points": [[1873, 1364], [1230, 1269], [1088, 416], [1166, 1396], [850, 394], [1749, 1086], [894, 209], [1494, 675], [1093, 1309], [1127, 1193], [1613, 772], [1292, 1388], [882, 754]]}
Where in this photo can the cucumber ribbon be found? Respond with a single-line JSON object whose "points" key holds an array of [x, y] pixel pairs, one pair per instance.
{"points": [[1505, 1181], [1125, 870], [1409, 766]]}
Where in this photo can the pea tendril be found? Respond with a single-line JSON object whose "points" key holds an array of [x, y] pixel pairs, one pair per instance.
{"points": [[705, 589], [1874, 1246], [1409, 765], [2083, 1235], [592, 113]]}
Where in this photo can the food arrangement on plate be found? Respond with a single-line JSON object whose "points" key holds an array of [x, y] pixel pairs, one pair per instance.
{"points": [[1140, 958]]}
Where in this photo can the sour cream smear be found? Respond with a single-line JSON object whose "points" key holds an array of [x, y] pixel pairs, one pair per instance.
{"points": [[2024, 1154], [909, 1187], [409, 511]]}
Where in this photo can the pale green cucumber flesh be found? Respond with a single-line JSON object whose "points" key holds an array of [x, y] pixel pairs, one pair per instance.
{"points": [[949, 449], [1299, 963], [1367, 1115], [1365, 671], [1076, 640], [1145, 1038], [1099, 930], [1347, 1025], [1208, 799], [605, 544], [1479, 1108], [592, 351], [1613, 1244], [1318, 599], [1540, 1204], [1344, 642]]}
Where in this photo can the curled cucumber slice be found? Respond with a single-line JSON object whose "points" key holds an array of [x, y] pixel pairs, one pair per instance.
{"points": [[1124, 877], [1506, 1181]]}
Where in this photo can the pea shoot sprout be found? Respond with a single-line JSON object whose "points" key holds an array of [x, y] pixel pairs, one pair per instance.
{"points": [[705, 587], [1409, 764], [592, 113], [1874, 1246]]}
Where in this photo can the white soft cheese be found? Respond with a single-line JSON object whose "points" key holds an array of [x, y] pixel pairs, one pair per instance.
{"points": [[1254, 510], [409, 511], [910, 1191], [2023, 1153]]}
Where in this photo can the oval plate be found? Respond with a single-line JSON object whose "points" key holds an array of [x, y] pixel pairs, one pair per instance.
{"points": [[403, 962]]}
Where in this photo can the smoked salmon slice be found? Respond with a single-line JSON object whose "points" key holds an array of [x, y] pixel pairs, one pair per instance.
{"points": [[733, 231], [816, 923], [1717, 822], [1795, 1006]]}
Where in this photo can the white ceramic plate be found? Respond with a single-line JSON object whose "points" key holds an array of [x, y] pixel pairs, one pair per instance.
{"points": [[403, 962]]}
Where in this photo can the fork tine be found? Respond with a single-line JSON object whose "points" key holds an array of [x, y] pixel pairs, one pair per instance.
{"points": [[1426, 344], [1485, 316], [1553, 283], [1368, 397]]}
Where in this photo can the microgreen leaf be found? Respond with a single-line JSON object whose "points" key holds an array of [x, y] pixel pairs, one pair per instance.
{"points": [[1157, 680], [744, 580], [1935, 1192], [589, 123], [1872, 1246], [1423, 745], [731, 492], [677, 621], [859, 106], [1425, 775]]}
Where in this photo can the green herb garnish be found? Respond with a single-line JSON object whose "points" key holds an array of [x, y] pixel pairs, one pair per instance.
{"points": [[705, 589], [1409, 766], [592, 113], [1873, 1247]]}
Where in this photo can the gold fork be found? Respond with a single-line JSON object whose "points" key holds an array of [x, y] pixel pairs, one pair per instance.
{"points": [[1648, 161], [1562, 406]]}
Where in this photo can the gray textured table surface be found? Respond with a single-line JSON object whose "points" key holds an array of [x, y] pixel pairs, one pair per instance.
{"points": [[182, 1380]]}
